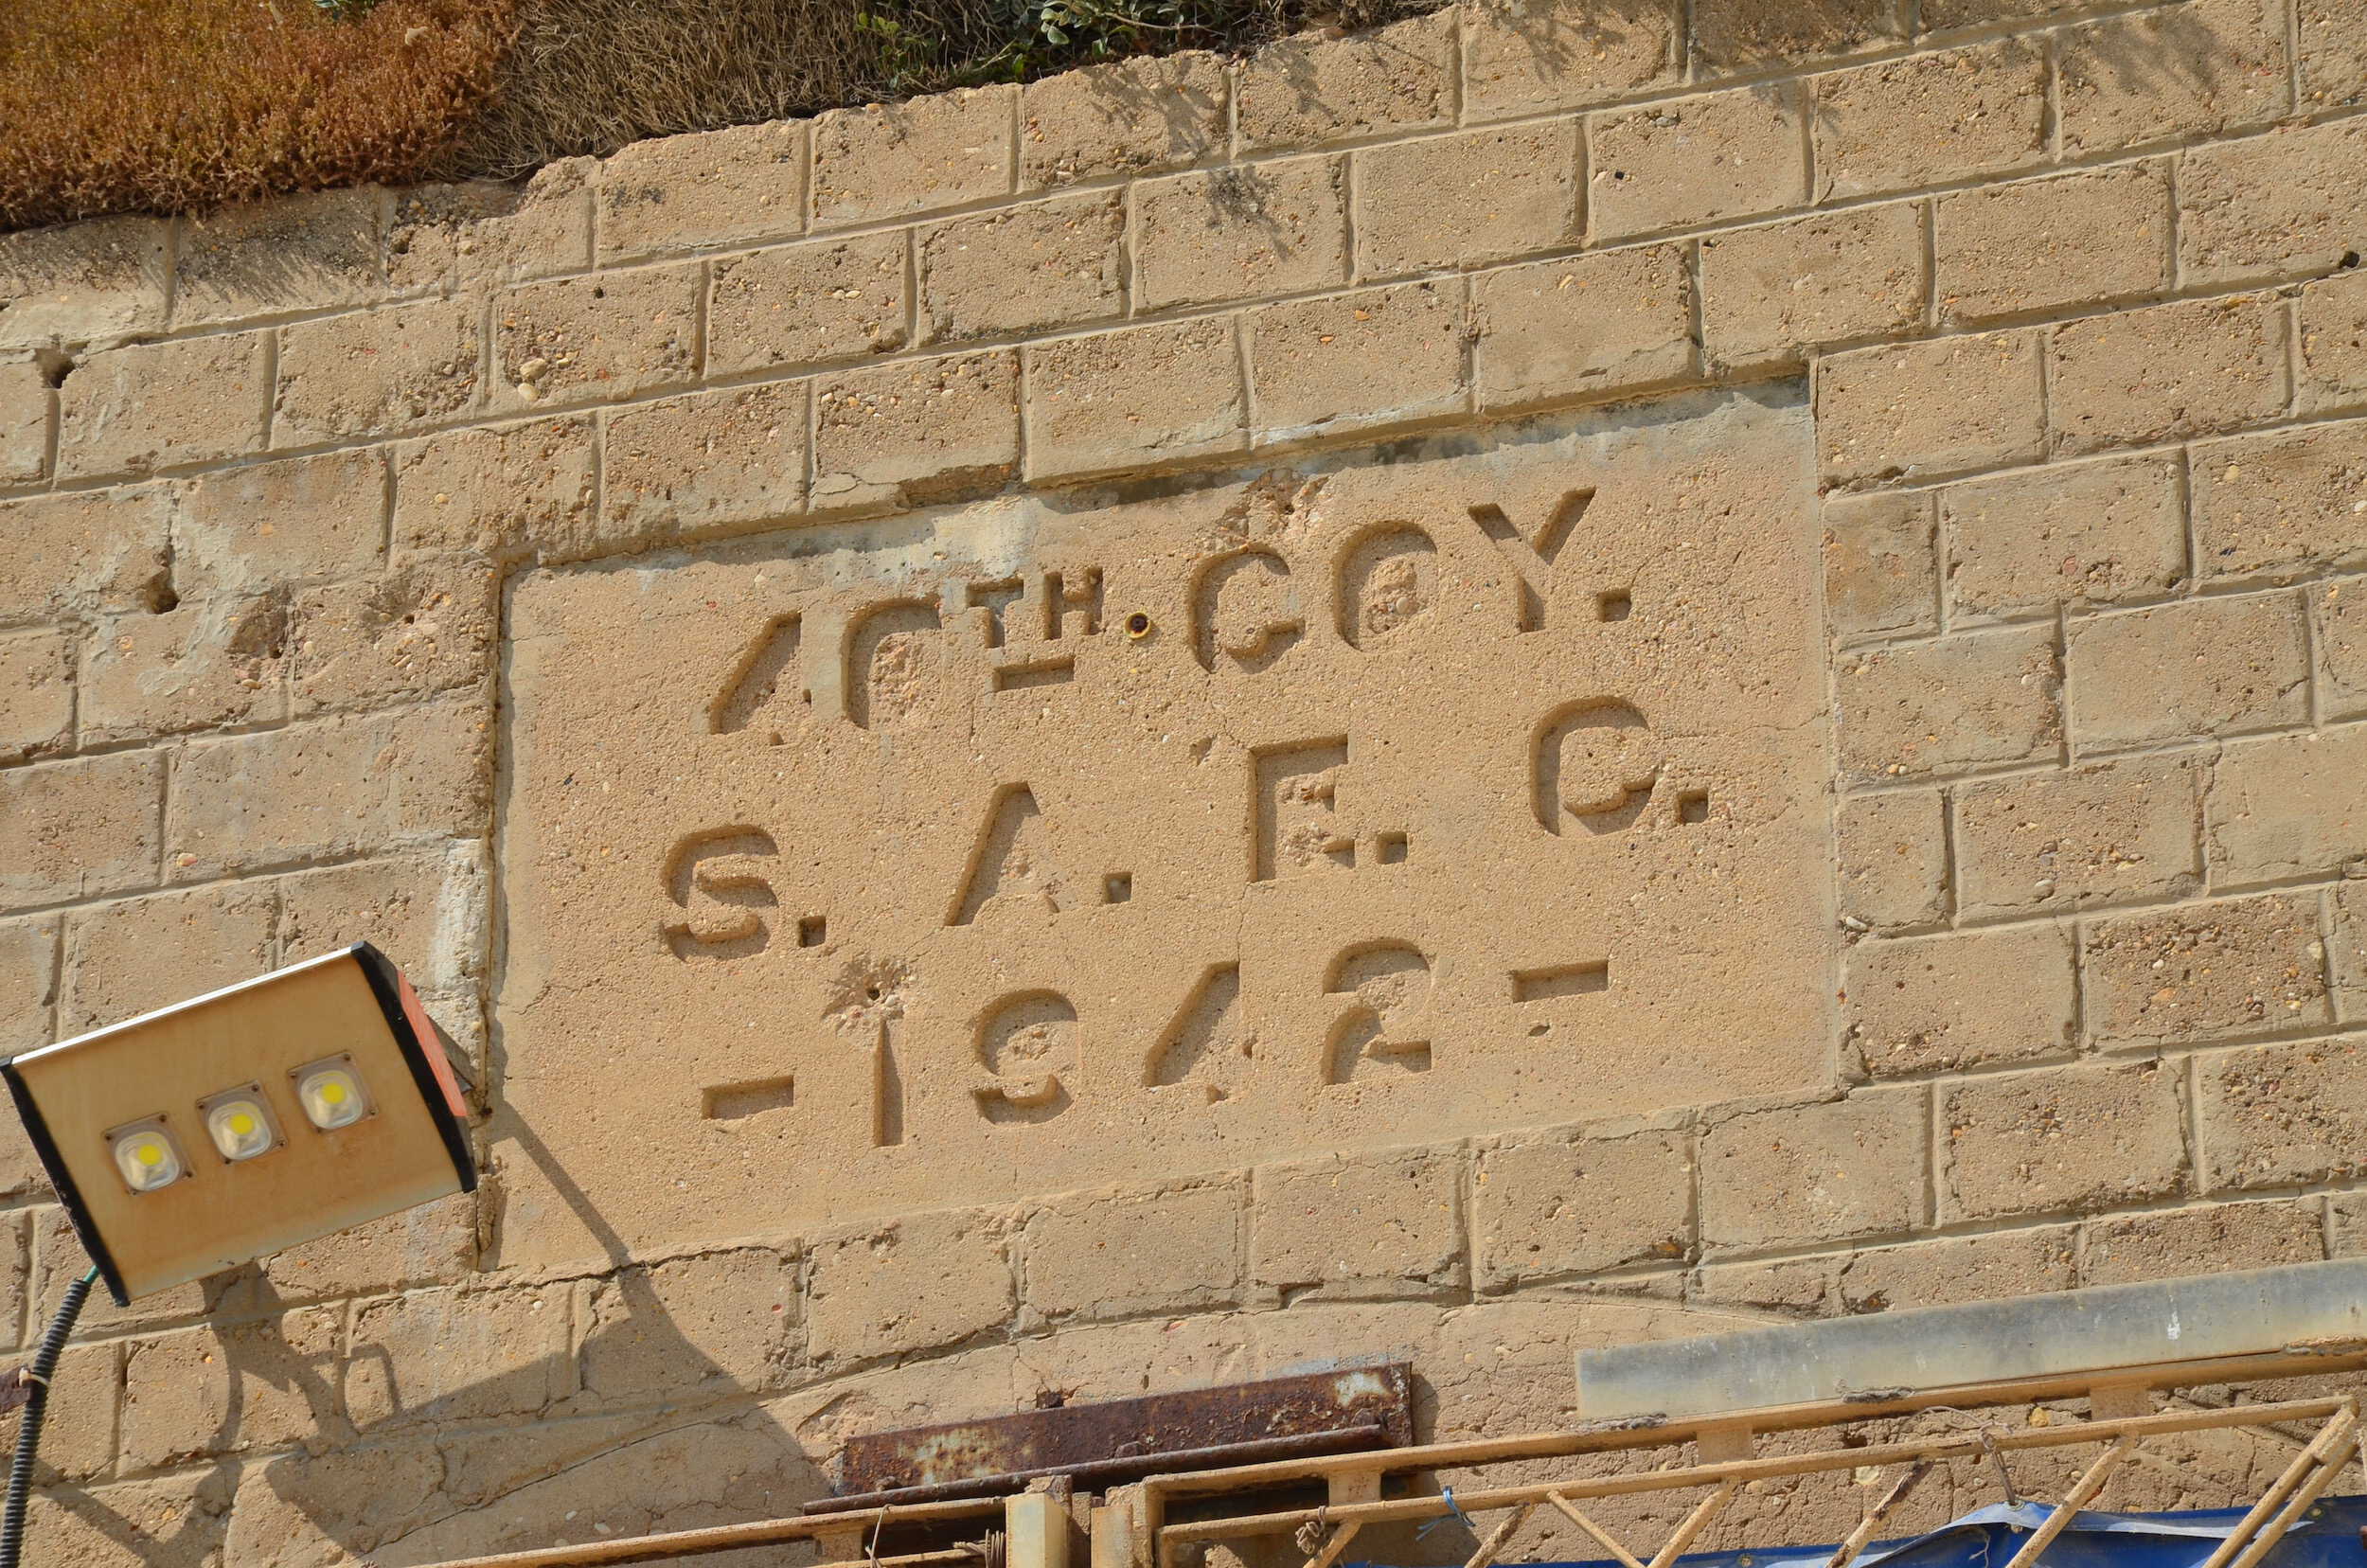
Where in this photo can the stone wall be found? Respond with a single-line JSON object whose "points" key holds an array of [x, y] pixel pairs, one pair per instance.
{"points": [[1554, 676]]}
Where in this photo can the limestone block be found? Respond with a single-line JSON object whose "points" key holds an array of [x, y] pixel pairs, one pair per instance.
{"points": [[2213, 667], [130, 958], [1771, 292], [883, 160], [1964, 1268], [29, 987], [379, 372], [2167, 372], [15, 1275], [1134, 117], [921, 1283], [2070, 240], [210, 661], [421, 628], [1561, 1205], [710, 187], [95, 282], [1802, 1174], [2095, 835], [1894, 858], [23, 422], [301, 519], [290, 253], [706, 1326], [174, 1522], [1517, 193], [2071, 535], [2281, 1116], [1025, 269], [36, 694], [75, 829], [483, 233], [2206, 972], [1122, 1253], [2227, 1237], [1141, 396], [435, 1244], [1738, 34], [1952, 115], [2276, 505], [1588, 327], [2333, 338], [2333, 53], [809, 304], [2063, 1138], [315, 1509], [59, 1260], [1880, 567], [2272, 207], [1710, 158], [101, 550], [1967, 999], [1524, 55], [2339, 636], [907, 434], [458, 1355], [1965, 701], [1240, 232], [1309, 88], [1373, 357], [1381, 1224], [332, 788], [710, 464], [204, 1391], [2213, 66], [1923, 409], [508, 492], [596, 338], [1794, 1287], [426, 912], [79, 1439], [163, 404], [2292, 807]]}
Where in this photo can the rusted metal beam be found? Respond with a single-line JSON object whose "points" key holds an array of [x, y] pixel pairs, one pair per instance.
{"points": [[1102, 1472]]}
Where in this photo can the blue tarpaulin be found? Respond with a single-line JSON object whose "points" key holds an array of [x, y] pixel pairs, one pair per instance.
{"points": [[2327, 1537]]}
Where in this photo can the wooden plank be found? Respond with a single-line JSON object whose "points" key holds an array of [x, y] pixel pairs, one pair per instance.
{"points": [[1602, 1537], [1499, 1537], [2079, 1496], [1847, 1551], [1695, 1524], [2312, 1455]]}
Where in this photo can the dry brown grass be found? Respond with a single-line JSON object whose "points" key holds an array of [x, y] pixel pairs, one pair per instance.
{"points": [[142, 106]]}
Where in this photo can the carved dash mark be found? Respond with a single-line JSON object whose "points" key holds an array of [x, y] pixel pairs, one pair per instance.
{"points": [[1542, 985], [1533, 557]]}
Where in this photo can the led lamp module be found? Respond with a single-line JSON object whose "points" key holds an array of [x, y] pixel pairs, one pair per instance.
{"points": [[330, 1095], [145, 1153], [241, 1125]]}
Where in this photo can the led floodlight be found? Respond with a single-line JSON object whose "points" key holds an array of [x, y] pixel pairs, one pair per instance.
{"points": [[238, 1124]]}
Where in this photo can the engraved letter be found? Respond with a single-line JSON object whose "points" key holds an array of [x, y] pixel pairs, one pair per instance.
{"points": [[892, 659], [717, 878], [1027, 1040], [1205, 1048], [1245, 608], [1386, 580], [1387, 1030], [1594, 761]]}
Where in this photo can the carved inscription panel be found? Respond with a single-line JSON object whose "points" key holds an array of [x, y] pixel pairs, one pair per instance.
{"points": [[1064, 841]]}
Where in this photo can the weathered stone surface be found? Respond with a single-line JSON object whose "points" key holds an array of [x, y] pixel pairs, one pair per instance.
{"points": [[2333, 52], [1281, 1012], [2272, 207], [2206, 972], [718, 1323], [204, 1391], [431, 1245], [598, 338], [1554, 330], [1733, 34], [1136, 117], [883, 160], [1966, 1268], [377, 372], [249, 531], [2276, 505], [1970, 999], [1024, 269], [29, 987], [458, 1355], [1963, 703], [163, 404], [265, 259], [424, 911], [424, 627], [2278, 1116], [210, 661], [79, 283], [709, 464], [921, 1283], [1894, 858], [509, 491], [2072, 535], [1881, 568], [2210, 67], [1147, 395], [1382, 1225], [175, 1522], [1311, 89], [2338, 639], [2215, 666], [1952, 115], [123, 959], [2333, 340], [2096, 834], [2139, 1247], [1522, 56], [23, 422], [36, 694], [1772, 292], [488, 233], [1518, 194], [2065, 1138], [1377, 356], [84, 552], [1824, 1173], [75, 829], [1123, 1254], [1557, 1206], [1924, 409], [2292, 807], [809, 304], [2045, 244], [2161, 374], [1707, 159], [1233, 233], [915, 432], [714, 187]]}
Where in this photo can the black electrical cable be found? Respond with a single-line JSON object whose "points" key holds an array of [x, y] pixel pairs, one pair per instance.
{"points": [[36, 1406]]}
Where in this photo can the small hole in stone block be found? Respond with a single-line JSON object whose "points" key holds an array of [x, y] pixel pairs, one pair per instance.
{"points": [[1390, 848], [813, 930], [873, 992], [1693, 805], [1117, 887], [2350, 260], [1617, 605]]}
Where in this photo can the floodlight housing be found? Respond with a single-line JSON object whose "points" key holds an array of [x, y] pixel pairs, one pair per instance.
{"points": [[240, 1123]]}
